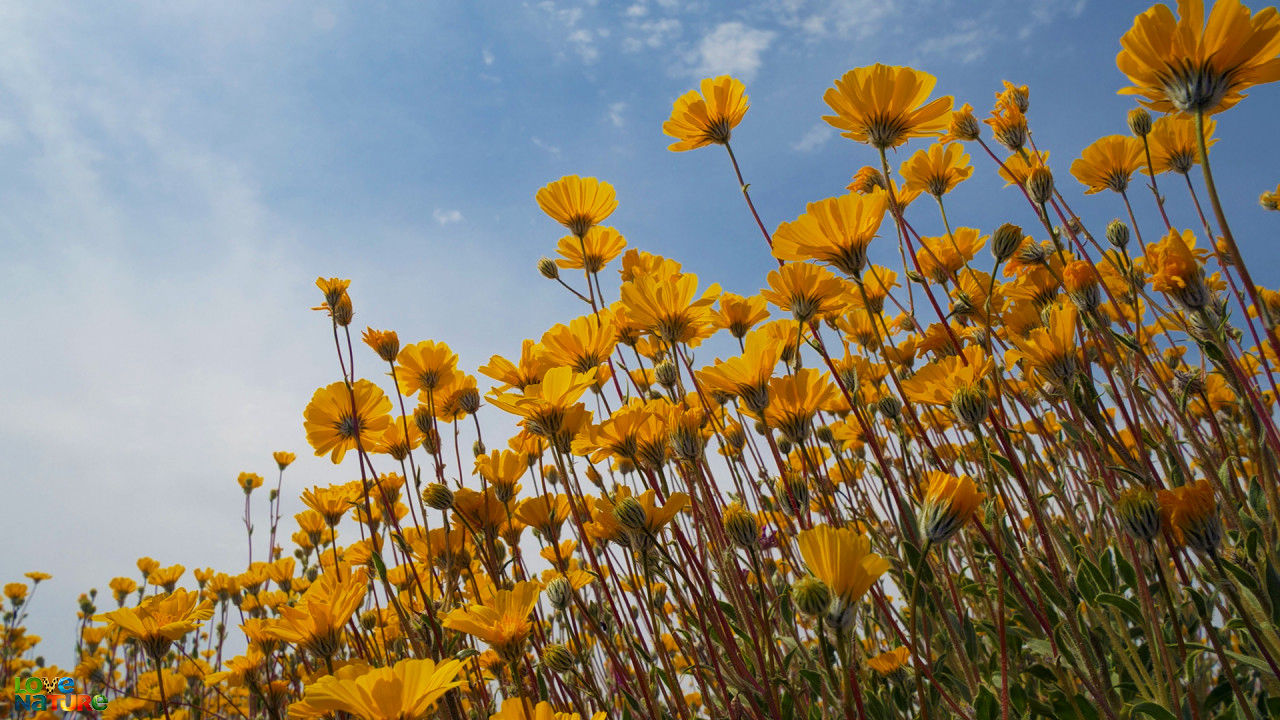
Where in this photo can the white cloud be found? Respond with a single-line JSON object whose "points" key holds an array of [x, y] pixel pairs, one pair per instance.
{"points": [[583, 43], [732, 48], [615, 114], [487, 56], [445, 217], [553, 149], [814, 138], [637, 10], [652, 34]]}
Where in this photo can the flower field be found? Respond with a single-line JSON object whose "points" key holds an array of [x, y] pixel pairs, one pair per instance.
{"points": [[1027, 472]]}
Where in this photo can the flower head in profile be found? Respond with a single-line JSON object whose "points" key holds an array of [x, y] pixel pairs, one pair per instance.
{"points": [[884, 106], [794, 400], [1270, 199], [1192, 514], [338, 418], [809, 291], [835, 231], [842, 559], [739, 314], [961, 383], [1175, 144], [709, 116], [316, 622], [249, 481], [1108, 163], [888, 663], [1175, 267], [283, 458], [578, 203], [161, 619], [949, 502], [938, 169], [501, 619], [404, 691], [1193, 64], [1051, 352], [592, 251]]}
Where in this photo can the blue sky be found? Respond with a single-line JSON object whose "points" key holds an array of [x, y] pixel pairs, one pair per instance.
{"points": [[176, 175]]}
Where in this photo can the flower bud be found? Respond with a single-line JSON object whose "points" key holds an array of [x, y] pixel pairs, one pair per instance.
{"points": [[549, 269], [1139, 513], [812, 597], [1139, 122], [970, 404], [1040, 185], [666, 374], [741, 527], [1117, 234], [558, 659], [630, 513], [793, 493], [1005, 241], [890, 407], [559, 592], [437, 496]]}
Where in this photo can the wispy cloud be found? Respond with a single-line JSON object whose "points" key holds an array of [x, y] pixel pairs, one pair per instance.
{"points": [[616, 114], [732, 48], [814, 138], [446, 217]]}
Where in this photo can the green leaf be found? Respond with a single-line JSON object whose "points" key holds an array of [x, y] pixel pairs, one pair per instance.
{"points": [[1123, 604], [1152, 710], [986, 707]]}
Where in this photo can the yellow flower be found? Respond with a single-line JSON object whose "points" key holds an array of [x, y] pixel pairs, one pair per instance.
{"points": [[550, 408], [937, 170], [404, 691], [941, 257], [584, 344], [1175, 268], [808, 291], [316, 622], [887, 663], [794, 400], [1108, 162], [517, 709], [577, 203], [1017, 168], [160, 619], [602, 244], [383, 342], [842, 559], [835, 231], [1270, 199], [746, 376], [949, 502], [1051, 351], [960, 383], [739, 314], [16, 592], [1189, 64], [530, 369], [1192, 512], [334, 423], [248, 481], [283, 459], [425, 366], [1174, 144], [699, 119], [884, 106], [670, 307], [501, 619]]}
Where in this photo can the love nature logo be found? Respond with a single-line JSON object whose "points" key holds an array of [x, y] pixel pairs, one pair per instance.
{"points": [[54, 693]]}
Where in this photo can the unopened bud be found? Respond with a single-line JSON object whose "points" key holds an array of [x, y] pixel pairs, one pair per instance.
{"points": [[549, 269], [1005, 241], [1117, 234], [437, 496], [1040, 185], [1139, 122]]}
